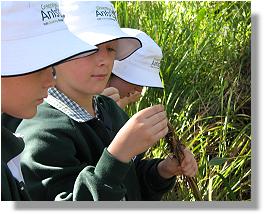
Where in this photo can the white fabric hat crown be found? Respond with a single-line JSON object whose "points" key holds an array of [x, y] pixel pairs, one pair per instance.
{"points": [[142, 67], [96, 22], [34, 36]]}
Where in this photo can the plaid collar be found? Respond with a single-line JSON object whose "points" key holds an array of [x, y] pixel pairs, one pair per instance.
{"points": [[64, 104]]}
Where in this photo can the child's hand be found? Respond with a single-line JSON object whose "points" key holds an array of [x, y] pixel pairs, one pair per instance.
{"points": [[112, 93], [170, 166], [140, 132], [133, 97]]}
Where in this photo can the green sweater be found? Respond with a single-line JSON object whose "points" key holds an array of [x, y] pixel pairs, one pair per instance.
{"points": [[11, 188], [67, 160]]}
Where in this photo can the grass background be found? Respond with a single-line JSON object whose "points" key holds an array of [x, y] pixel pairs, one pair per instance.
{"points": [[206, 73]]}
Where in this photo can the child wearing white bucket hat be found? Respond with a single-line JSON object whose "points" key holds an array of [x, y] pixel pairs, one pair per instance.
{"points": [[143, 67], [136, 71], [90, 142], [32, 34]]}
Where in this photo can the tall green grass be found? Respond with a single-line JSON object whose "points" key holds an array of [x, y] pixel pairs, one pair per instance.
{"points": [[206, 75]]}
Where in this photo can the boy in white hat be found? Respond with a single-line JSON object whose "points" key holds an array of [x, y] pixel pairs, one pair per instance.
{"points": [[29, 46], [89, 141]]}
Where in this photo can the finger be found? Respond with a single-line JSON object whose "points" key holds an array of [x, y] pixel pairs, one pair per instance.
{"points": [[187, 160], [161, 134], [107, 91], [110, 91], [134, 97], [157, 127], [189, 163], [190, 172], [188, 169], [115, 97], [157, 118], [150, 111], [113, 89]]}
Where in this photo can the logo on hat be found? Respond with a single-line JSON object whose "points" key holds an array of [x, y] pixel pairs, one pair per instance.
{"points": [[105, 13], [50, 13], [155, 63]]}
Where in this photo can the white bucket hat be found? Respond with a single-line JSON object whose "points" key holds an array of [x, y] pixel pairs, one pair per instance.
{"points": [[96, 22], [142, 67], [34, 36]]}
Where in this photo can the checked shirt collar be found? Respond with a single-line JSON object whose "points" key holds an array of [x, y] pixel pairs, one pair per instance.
{"points": [[61, 102]]}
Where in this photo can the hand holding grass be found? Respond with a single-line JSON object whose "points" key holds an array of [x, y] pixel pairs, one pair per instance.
{"points": [[141, 131], [170, 167]]}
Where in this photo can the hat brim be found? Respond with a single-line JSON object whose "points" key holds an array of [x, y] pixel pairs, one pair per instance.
{"points": [[138, 75], [126, 45], [20, 57]]}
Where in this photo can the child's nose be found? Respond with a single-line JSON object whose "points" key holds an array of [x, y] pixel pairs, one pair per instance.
{"points": [[102, 56]]}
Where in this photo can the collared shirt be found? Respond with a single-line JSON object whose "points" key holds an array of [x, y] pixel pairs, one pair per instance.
{"points": [[61, 102]]}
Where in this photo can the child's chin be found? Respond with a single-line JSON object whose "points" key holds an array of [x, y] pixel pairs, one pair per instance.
{"points": [[29, 114]]}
